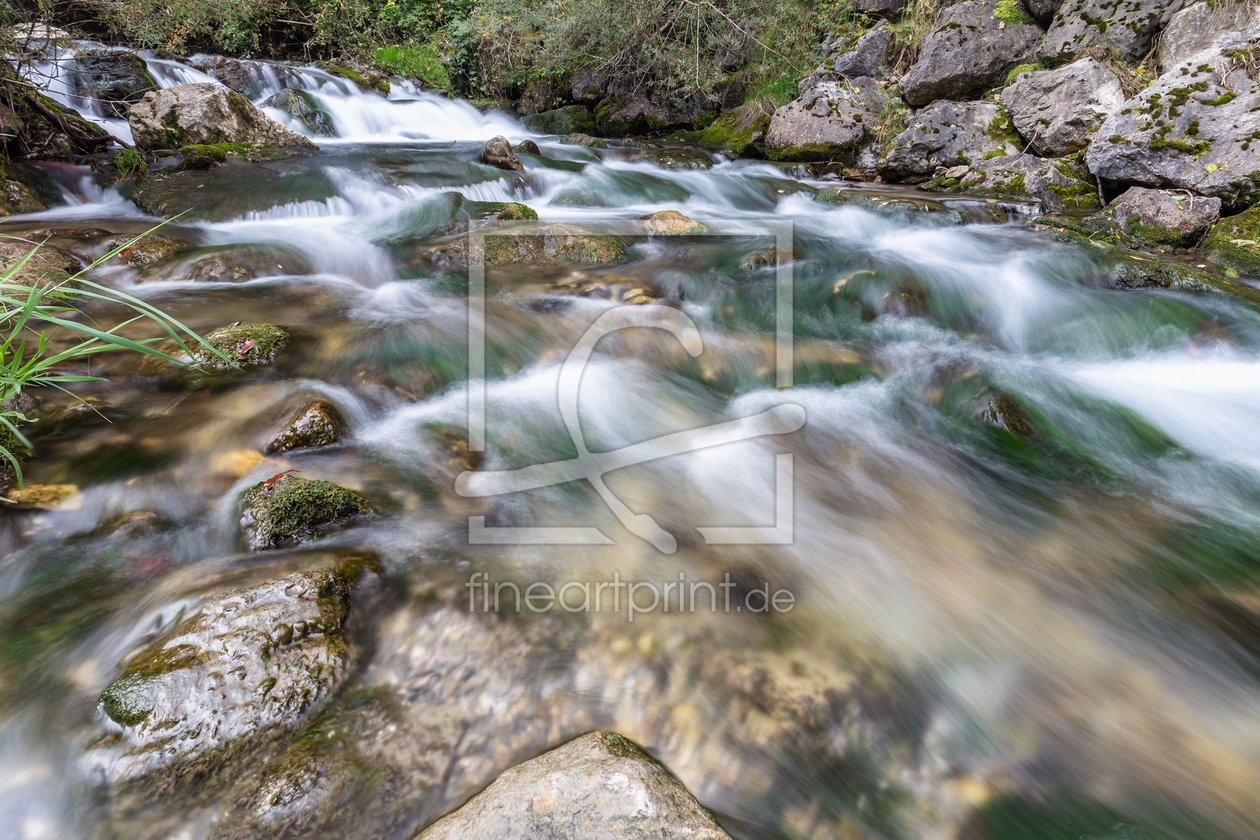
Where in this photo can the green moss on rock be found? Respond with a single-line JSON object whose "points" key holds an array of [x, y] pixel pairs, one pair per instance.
{"points": [[1235, 242], [296, 509], [316, 424], [245, 345]]}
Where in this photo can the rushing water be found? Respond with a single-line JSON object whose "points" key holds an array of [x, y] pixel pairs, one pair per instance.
{"points": [[1025, 504]]}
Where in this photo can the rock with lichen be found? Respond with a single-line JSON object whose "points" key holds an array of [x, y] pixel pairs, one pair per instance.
{"points": [[1058, 185], [1235, 242], [293, 510], [1159, 217], [317, 424], [1058, 111], [248, 662], [948, 134], [1127, 27], [830, 121]]}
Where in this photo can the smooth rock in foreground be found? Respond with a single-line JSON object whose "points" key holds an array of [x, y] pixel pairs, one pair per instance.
{"points": [[498, 153], [968, 51], [248, 662], [205, 114], [1158, 217], [1058, 111], [599, 786]]}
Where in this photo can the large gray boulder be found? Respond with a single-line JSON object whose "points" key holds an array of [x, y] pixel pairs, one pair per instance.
{"points": [[1128, 26], [1058, 186], [1193, 129], [968, 51], [116, 79], [599, 786], [868, 58], [1208, 29], [948, 134], [205, 114], [831, 121], [1058, 111], [250, 661], [1157, 217]]}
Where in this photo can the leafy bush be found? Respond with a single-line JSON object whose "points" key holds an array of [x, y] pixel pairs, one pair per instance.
{"points": [[414, 62]]}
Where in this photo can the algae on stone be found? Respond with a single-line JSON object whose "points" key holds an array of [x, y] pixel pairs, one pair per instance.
{"points": [[295, 509]]}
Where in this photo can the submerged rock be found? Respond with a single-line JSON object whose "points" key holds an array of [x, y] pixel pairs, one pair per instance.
{"points": [[151, 248], [601, 785], [205, 114], [248, 662], [546, 244], [1195, 129], [1235, 242], [1128, 27], [316, 424], [529, 147], [304, 108], [567, 120], [671, 223], [967, 52], [229, 264], [948, 134], [1156, 217], [1058, 111], [245, 345], [294, 510], [498, 153], [831, 121]]}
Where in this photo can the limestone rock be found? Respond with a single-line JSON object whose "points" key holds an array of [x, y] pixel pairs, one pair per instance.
{"points": [[968, 51], [294, 510], [1057, 185], [1205, 30], [867, 58], [249, 661], [498, 153], [1235, 242], [599, 786], [316, 424], [567, 120], [1058, 111], [1128, 26], [1158, 217], [1193, 129], [205, 114], [832, 121], [948, 134]]}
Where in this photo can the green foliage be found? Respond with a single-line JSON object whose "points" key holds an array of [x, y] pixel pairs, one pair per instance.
{"points": [[128, 162], [774, 91], [917, 20], [1011, 12], [1020, 69], [414, 62], [32, 316]]}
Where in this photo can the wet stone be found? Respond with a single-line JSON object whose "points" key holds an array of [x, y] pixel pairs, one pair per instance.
{"points": [[286, 510], [317, 424], [498, 153], [250, 661], [670, 223], [245, 345]]}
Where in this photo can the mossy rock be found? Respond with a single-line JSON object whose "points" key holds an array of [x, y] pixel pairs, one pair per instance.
{"points": [[273, 652], [245, 345], [850, 198], [549, 244], [317, 424], [579, 139], [16, 198], [571, 119], [47, 266], [671, 223], [1235, 242], [366, 80], [305, 109], [151, 248], [735, 132], [224, 264], [295, 510]]}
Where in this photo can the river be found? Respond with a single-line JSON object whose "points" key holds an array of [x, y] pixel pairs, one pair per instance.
{"points": [[1025, 504]]}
